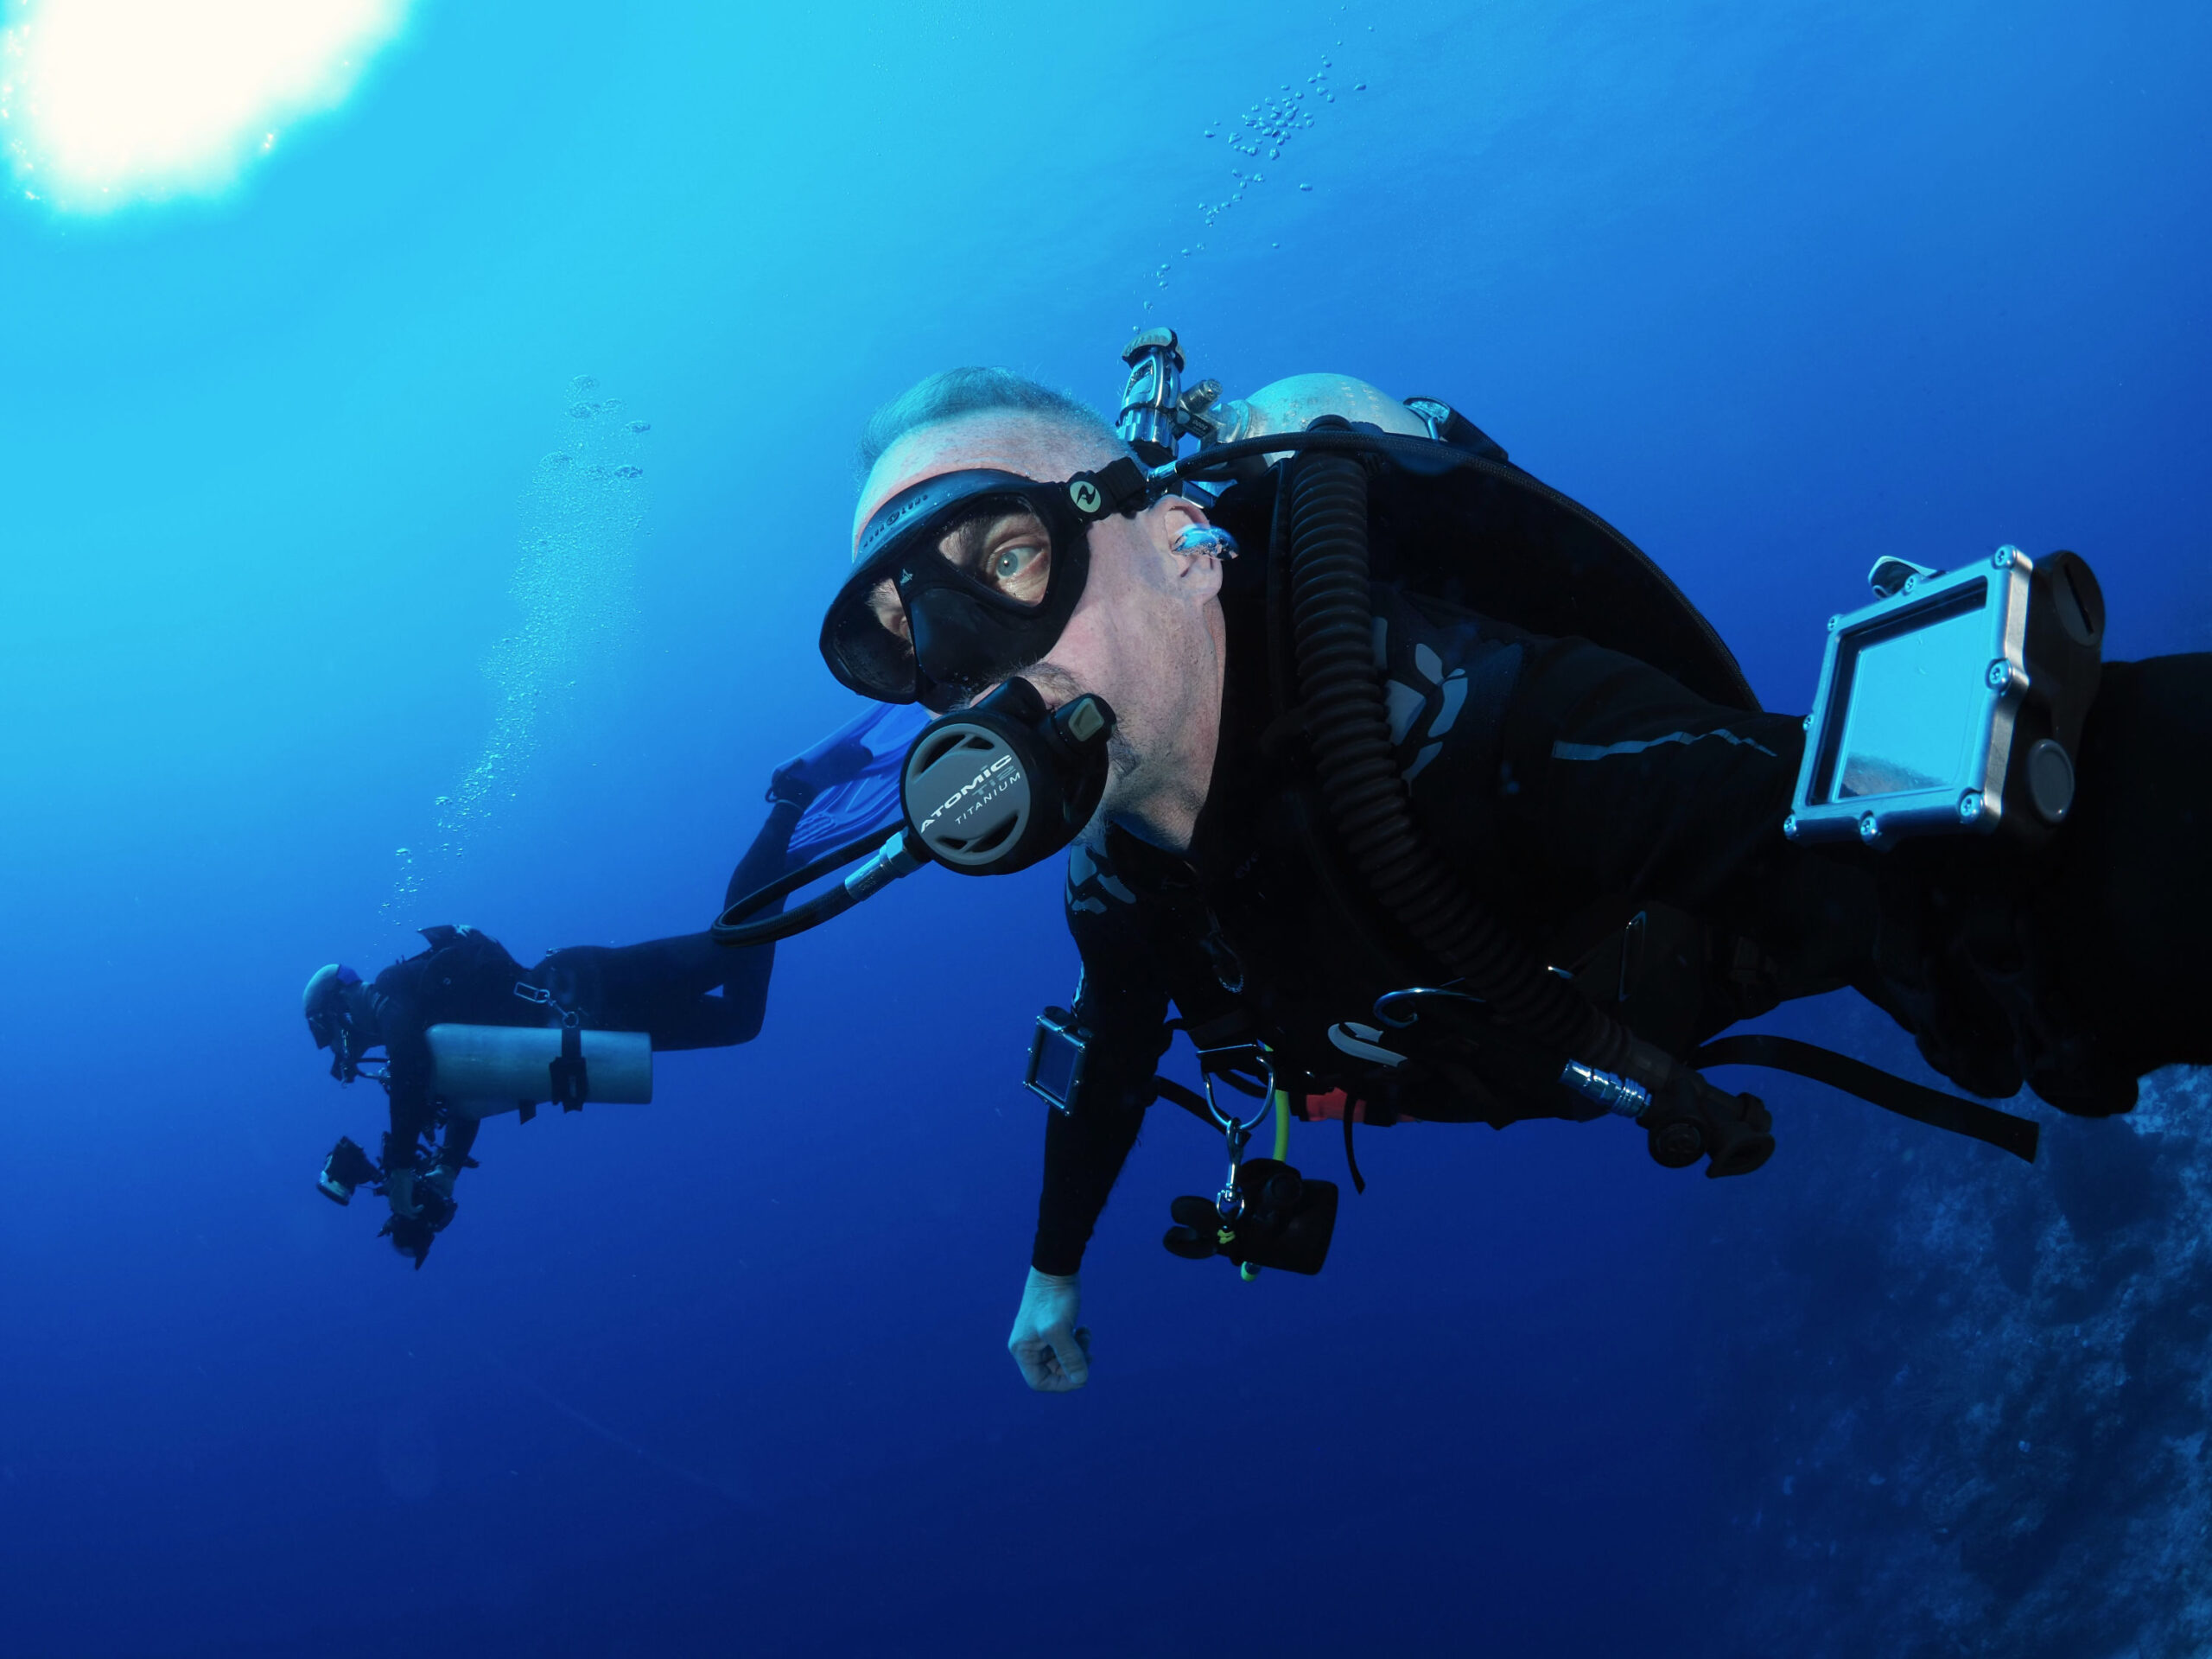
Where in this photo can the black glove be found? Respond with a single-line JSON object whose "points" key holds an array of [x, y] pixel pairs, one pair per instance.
{"points": [[1286, 1224]]}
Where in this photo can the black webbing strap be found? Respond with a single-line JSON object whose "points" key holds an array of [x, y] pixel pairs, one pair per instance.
{"points": [[568, 1077], [1189, 1099], [2016, 1136]]}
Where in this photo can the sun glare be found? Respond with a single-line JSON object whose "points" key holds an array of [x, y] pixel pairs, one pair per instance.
{"points": [[107, 102]]}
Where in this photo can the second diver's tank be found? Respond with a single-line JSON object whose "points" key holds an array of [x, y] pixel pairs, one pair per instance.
{"points": [[481, 1071]]}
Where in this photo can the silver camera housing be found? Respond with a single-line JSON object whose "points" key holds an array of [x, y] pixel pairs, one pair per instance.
{"points": [[1953, 704]]}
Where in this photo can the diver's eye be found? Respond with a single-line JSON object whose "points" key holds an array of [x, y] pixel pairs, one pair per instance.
{"points": [[1013, 554], [1008, 551]]}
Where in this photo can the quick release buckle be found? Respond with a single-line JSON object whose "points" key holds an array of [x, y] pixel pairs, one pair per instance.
{"points": [[1059, 1050]]}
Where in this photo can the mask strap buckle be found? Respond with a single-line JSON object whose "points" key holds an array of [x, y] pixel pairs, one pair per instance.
{"points": [[1120, 486]]}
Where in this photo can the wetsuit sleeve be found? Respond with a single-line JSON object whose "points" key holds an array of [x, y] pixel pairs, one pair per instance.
{"points": [[1607, 780], [407, 1077], [668, 988], [1124, 1008]]}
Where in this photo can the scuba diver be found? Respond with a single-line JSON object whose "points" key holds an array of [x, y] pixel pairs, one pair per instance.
{"points": [[467, 1032], [1420, 793]]}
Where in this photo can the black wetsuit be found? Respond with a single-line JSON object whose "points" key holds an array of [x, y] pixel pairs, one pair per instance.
{"points": [[1573, 789], [686, 992]]}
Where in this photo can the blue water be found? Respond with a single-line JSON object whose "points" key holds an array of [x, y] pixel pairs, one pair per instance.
{"points": [[1776, 287]]}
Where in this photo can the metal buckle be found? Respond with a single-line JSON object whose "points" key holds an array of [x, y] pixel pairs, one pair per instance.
{"points": [[1229, 1202]]}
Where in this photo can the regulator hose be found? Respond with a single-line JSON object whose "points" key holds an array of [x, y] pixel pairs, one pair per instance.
{"points": [[1333, 621], [732, 928]]}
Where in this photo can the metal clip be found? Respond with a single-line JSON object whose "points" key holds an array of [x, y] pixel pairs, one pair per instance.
{"points": [[1229, 1202]]}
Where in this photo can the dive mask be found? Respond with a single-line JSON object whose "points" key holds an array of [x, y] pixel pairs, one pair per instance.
{"points": [[964, 579]]}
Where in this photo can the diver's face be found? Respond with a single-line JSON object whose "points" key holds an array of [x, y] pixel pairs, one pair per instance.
{"points": [[1145, 635], [335, 1032], [347, 1027]]}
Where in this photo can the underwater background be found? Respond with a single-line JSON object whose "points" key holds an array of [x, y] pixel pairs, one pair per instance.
{"points": [[434, 526]]}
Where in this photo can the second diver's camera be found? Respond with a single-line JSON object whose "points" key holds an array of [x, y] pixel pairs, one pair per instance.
{"points": [[346, 1168]]}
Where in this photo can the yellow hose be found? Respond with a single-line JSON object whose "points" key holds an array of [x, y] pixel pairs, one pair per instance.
{"points": [[1248, 1273]]}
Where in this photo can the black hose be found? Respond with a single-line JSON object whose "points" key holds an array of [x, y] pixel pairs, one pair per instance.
{"points": [[1332, 622], [731, 928]]}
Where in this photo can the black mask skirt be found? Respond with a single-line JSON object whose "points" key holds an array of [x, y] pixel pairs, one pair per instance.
{"points": [[962, 633]]}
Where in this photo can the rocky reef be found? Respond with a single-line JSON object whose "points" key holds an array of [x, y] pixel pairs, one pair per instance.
{"points": [[1958, 1405]]}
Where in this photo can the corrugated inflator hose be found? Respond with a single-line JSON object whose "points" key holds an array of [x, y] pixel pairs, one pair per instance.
{"points": [[1333, 619]]}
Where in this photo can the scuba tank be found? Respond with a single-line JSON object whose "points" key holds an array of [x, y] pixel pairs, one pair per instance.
{"points": [[481, 1071]]}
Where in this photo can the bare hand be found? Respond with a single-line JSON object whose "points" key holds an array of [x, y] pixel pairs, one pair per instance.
{"points": [[1054, 1353]]}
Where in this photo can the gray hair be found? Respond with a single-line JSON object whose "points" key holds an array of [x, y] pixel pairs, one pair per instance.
{"points": [[953, 393]]}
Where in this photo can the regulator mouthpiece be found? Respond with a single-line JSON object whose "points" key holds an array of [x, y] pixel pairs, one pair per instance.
{"points": [[993, 788]]}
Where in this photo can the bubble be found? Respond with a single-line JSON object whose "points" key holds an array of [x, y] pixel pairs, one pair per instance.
{"points": [[573, 560]]}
